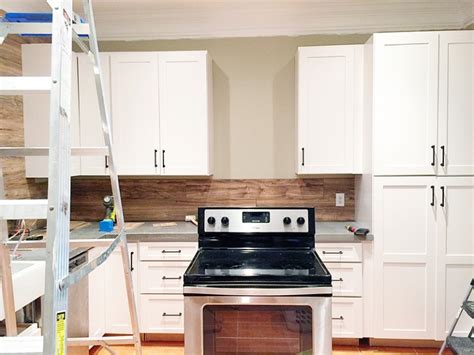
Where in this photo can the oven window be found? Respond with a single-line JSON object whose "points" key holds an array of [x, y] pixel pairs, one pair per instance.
{"points": [[253, 329]]}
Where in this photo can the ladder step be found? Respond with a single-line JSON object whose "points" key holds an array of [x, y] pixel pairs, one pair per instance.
{"points": [[468, 307], [110, 340], [23, 209], [44, 151], [30, 345], [461, 345], [41, 28], [19, 85]]}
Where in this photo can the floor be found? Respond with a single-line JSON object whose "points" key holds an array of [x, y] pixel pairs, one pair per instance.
{"points": [[163, 348]]}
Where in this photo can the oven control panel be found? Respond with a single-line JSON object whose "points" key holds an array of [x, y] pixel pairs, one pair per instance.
{"points": [[257, 220]]}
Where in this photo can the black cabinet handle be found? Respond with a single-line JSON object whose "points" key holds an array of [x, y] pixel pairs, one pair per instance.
{"points": [[164, 251], [432, 195], [339, 279], [163, 158], [172, 314], [106, 162], [338, 318], [131, 261], [442, 155], [433, 148], [302, 156], [171, 278], [333, 252], [156, 163], [442, 196]]}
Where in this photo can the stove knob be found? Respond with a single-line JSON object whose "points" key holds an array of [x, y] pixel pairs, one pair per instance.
{"points": [[211, 220], [287, 220], [300, 220], [225, 221]]}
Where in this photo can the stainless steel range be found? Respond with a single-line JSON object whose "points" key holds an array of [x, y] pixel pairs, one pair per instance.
{"points": [[256, 284]]}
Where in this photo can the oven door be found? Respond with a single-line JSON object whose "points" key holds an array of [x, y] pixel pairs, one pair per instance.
{"points": [[257, 323]]}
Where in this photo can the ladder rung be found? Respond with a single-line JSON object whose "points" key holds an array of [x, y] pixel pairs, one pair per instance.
{"points": [[23, 209], [40, 28], [468, 307], [111, 340], [461, 345], [19, 85], [73, 243], [44, 151]]}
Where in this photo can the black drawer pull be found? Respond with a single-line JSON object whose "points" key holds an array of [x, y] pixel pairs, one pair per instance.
{"points": [[442, 155], [171, 278], [339, 279], [433, 148], [156, 163], [302, 156], [432, 195], [172, 314], [338, 318], [442, 196], [106, 162], [333, 252], [164, 251], [131, 261], [163, 158]]}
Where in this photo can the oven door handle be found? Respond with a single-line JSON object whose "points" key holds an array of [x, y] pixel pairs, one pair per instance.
{"points": [[250, 290]]}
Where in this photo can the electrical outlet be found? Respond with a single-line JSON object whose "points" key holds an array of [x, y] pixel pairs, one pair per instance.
{"points": [[339, 200]]}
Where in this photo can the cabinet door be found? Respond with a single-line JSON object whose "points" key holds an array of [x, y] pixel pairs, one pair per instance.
{"points": [[36, 61], [456, 111], [405, 103], [185, 122], [91, 123], [404, 257], [97, 297], [455, 250], [117, 316], [135, 113], [325, 109]]}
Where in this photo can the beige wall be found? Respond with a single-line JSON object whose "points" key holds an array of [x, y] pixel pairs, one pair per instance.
{"points": [[254, 101]]}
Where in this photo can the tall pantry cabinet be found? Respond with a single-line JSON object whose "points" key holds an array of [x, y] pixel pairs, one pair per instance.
{"points": [[423, 189]]}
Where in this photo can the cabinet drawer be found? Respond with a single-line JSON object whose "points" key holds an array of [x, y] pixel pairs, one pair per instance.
{"points": [[346, 317], [339, 252], [167, 251], [346, 278], [162, 277], [161, 314]]}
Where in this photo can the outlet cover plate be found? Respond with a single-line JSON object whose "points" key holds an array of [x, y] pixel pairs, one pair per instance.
{"points": [[340, 200]]}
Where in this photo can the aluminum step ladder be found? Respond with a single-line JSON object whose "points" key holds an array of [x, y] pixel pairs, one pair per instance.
{"points": [[64, 29], [461, 345]]}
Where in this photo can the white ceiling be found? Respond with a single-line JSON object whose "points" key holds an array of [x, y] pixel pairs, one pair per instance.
{"points": [[152, 19]]}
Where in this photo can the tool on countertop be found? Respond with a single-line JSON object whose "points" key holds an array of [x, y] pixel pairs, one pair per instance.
{"points": [[107, 224], [360, 232]]}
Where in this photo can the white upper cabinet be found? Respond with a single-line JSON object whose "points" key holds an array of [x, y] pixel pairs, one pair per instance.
{"points": [[185, 87], [328, 87], [135, 112], [405, 103], [456, 108], [36, 61], [90, 120]]}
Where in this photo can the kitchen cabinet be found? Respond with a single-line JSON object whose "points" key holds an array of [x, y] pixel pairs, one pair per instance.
{"points": [[329, 104], [96, 296], [91, 134], [185, 89], [36, 61], [135, 112], [405, 103], [456, 111], [455, 256], [422, 103], [404, 257], [117, 319]]}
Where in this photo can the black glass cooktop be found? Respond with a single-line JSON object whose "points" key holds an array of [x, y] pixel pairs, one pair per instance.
{"points": [[257, 267]]}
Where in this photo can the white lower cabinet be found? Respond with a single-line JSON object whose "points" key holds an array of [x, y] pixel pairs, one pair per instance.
{"points": [[96, 297], [160, 313], [162, 266], [346, 279], [347, 317], [117, 319]]}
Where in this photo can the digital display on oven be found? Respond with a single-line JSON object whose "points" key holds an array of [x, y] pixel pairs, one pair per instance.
{"points": [[255, 217]]}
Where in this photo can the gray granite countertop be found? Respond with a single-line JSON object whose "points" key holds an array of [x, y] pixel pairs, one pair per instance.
{"points": [[326, 232]]}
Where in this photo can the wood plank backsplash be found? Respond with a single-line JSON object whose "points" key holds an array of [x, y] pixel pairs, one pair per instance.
{"points": [[157, 199]]}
